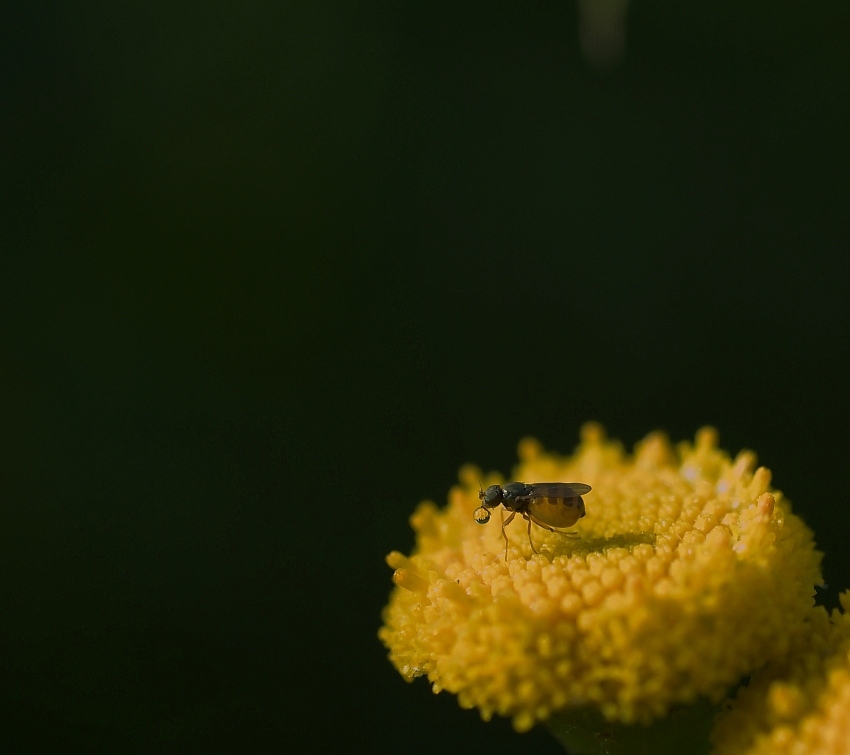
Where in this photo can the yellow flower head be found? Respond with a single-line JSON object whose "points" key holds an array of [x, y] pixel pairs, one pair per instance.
{"points": [[687, 573], [798, 705]]}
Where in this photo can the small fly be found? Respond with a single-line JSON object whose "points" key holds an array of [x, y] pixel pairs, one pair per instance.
{"points": [[550, 505]]}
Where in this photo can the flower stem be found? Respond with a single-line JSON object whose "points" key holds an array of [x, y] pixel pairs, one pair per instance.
{"points": [[585, 731]]}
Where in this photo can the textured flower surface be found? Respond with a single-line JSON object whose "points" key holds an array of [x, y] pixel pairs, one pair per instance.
{"points": [[687, 573], [798, 705]]}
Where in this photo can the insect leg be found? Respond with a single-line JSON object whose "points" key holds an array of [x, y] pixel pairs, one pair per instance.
{"points": [[530, 541], [505, 534]]}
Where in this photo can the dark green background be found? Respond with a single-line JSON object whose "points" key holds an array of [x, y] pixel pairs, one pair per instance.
{"points": [[270, 273]]}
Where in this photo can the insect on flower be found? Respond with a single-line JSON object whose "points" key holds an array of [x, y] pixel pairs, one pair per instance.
{"points": [[551, 505]]}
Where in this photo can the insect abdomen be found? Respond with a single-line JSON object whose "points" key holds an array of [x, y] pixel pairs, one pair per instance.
{"points": [[559, 513]]}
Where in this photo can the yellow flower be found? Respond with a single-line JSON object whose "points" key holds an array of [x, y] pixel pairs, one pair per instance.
{"points": [[688, 573], [800, 704]]}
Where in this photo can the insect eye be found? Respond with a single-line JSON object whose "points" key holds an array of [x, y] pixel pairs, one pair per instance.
{"points": [[481, 515]]}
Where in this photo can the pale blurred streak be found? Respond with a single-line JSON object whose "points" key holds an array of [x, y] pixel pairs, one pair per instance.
{"points": [[602, 30]]}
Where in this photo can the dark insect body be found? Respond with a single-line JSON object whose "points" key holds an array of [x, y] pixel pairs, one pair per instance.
{"points": [[551, 505]]}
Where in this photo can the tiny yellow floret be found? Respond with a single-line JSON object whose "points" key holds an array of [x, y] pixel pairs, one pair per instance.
{"points": [[688, 572], [799, 704]]}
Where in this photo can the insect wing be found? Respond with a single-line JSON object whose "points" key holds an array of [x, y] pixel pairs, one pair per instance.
{"points": [[557, 490]]}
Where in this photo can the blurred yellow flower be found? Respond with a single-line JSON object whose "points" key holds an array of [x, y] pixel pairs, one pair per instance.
{"points": [[800, 704], [688, 573]]}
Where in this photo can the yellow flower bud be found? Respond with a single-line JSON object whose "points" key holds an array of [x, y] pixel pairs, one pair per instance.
{"points": [[688, 573]]}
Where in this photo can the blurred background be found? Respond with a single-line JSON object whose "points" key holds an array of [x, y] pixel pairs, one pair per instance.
{"points": [[272, 272]]}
